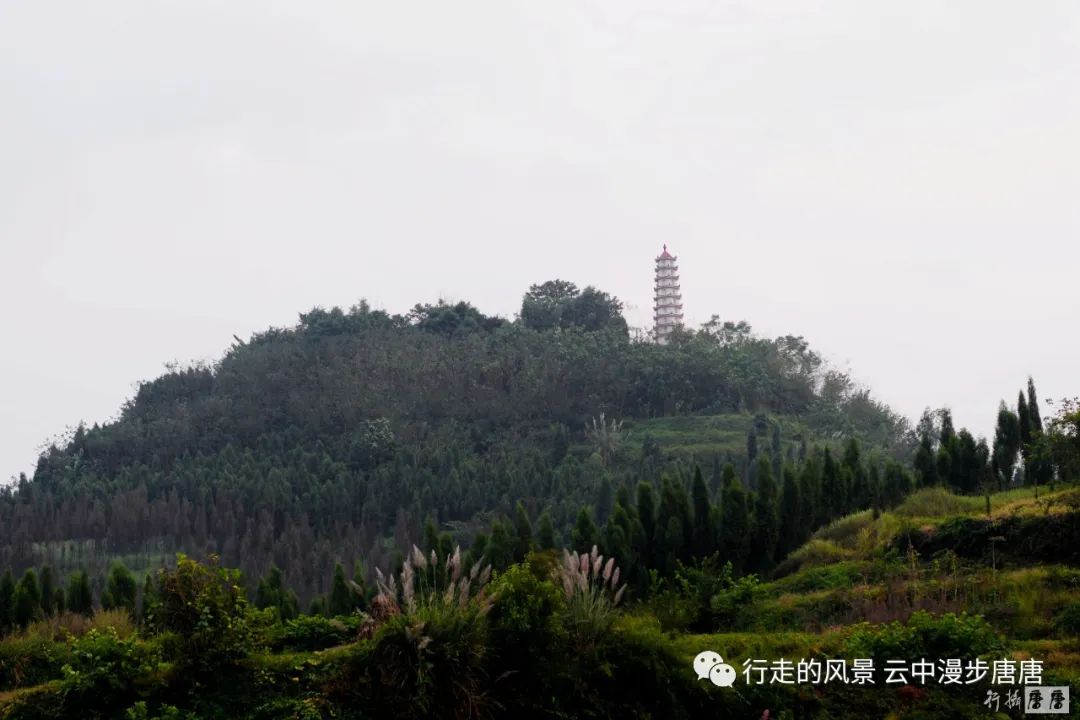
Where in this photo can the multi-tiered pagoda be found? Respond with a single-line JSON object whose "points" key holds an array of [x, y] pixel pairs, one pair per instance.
{"points": [[667, 308]]}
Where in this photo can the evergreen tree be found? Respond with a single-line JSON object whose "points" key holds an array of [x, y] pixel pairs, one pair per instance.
{"points": [[1034, 414], [833, 491], [584, 533], [318, 606], [120, 589], [1024, 419], [791, 530], [359, 588], [273, 593], [735, 522], [523, 539], [1006, 444], [925, 462], [149, 599], [646, 512], [858, 495], [751, 456], [7, 600], [704, 532], [341, 600], [896, 486], [500, 546], [47, 591], [546, 532], [26, 606], [809, 490], [80, 599], [604, 497], [765, 532]]}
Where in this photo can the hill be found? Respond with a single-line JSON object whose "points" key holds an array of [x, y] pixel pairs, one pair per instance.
{"points": [[337, 439]]}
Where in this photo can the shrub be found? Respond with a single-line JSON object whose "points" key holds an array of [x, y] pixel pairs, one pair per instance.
{"points": [[30, 659], [925, 636], [314, 632], [1067, 620], [105, 670], [204, 606]]}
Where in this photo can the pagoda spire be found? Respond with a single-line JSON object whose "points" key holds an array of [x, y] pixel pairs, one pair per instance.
{"points": [[667, 305]]}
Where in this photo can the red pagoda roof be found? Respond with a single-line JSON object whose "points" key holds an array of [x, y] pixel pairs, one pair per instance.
{"points": [[665, 255]]}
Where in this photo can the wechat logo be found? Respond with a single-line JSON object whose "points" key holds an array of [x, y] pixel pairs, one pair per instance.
{"points": [[710, 665]]}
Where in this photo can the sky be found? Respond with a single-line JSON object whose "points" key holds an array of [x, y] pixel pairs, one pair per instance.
{"points": [[897, 182]]}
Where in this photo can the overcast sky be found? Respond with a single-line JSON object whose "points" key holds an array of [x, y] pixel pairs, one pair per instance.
{"points": [[897, 182]]}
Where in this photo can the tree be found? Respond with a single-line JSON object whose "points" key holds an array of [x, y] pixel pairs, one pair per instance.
{"points": [[546, 533], [26, 606], [341, 601], [523, 540], [120, 589], [149, 598], [584, 533], [646, 511], [47, 591], [765, 531], [80, 599], [272, 593], [735, 522], [1006, 444], [791, 529], [704, 533], [7, 600], [925, 462], [500, 546], [833, 490], [359, 586], [543, 305]]}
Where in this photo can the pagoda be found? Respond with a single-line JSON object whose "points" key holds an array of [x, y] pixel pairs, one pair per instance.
{"points": [[667, 307]]}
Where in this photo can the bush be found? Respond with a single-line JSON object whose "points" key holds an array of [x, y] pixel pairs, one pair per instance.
{"points": [[314, 632], [924, 636], [205, 609], [27, 660], [1067, 620], [105, 670]]}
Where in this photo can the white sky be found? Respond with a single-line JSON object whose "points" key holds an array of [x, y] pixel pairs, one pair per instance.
{"points": [[898, 182]]}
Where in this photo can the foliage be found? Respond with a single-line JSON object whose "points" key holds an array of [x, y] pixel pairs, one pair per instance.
{"points": [[925, 636], [204, 608]]}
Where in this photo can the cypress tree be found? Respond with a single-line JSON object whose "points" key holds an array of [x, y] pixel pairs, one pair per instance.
{"points": [[120, 589], [646, 511], [833, 491], [47, 591], [500, 546], [584, 533], [7, 600], [735, 522], [523, 540], [790, 520], [546, 531], [340, 601], [80, 599], [809, 487], [1033, 408], [360, 591], [704, 533], [751, 456], [27, 601], [765, 530], [925, 463], [149, 598], [1006, 444]]}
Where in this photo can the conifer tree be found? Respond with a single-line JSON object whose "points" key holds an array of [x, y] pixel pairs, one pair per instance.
{"points": [[704, 533], [27, 602], [149, 599], [735, 522], [1006, 444], [646, 512], [500, 546], [791, 530], [47, 591], [765, 530], [809, 491], [545, 534], [925, 462], [359, 588], [7, 600], [523, 539], [80, 599], [584, 533], [833, 491], [341, 600], [120, 589]]}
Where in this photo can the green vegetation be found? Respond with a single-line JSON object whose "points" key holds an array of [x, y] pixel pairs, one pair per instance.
{"points": [[395, 493]]}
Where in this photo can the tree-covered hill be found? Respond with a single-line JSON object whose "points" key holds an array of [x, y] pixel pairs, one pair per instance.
{"points": [[336, 439]]}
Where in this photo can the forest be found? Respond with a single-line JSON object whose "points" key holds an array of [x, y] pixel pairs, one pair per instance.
{"points": [[449, 514]]}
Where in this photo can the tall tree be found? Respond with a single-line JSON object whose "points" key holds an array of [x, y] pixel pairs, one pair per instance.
{"points": [[120, 589], [27, 601], [523, 539], [546, 532], [7, 600], [584, 534], [704, 533], [1006, 444], [765, 532], [80, 599], [47, 591], [735, 522], [342, 600], [791, 530], [925, 462]]}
